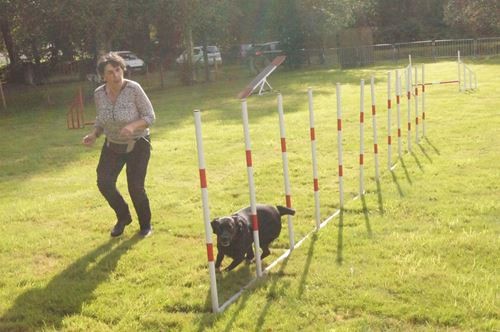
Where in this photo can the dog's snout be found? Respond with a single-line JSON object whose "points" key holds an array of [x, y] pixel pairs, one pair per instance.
{"points": [[225, 240]]}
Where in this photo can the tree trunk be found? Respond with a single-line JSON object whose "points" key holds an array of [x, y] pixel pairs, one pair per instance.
{"points": [[7, 37], [205, 57]]}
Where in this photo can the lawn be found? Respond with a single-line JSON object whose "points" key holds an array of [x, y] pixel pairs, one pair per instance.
{"points": [[420, 251]]}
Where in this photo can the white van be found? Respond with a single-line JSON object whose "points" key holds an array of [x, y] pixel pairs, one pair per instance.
{"points": [[197, 56]]}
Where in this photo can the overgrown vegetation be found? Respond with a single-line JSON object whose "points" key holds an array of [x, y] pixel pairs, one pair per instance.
{"points": [[419, 252]]}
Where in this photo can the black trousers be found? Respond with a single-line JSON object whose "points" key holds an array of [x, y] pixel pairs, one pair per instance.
{"points": [[108, 169]]}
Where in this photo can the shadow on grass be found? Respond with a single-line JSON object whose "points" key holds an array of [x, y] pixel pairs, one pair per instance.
{"points": [[231, 282], [271, 295], [396, 182], [340, 238], [417, 161], [406, 171], [380, 198], [310, 253], [367, 219], [425, 153], [432, 146], [66, 293]]}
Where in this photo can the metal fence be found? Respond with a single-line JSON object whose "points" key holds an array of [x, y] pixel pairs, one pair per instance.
{"points": [[427, 49]]}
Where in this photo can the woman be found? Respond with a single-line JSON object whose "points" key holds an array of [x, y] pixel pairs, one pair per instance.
{"points": [[124, 115]]}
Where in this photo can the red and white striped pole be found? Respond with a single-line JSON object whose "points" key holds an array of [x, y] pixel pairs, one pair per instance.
{"points": [[389, 120], [398, 110], [374, 125], [417, 138], [314, 161], [251, 187], [206, 212], [361, 138], [284, 157], [423, 100], [408, 93], [339, 144]]}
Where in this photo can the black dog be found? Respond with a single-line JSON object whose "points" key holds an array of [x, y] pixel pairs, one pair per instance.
{"points": [[235, 237]]}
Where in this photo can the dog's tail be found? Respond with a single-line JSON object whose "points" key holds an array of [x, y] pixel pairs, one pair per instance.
{"points": [[285, 211]]}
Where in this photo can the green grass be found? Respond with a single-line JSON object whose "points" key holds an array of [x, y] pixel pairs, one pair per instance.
{"points": [[419, 252]]}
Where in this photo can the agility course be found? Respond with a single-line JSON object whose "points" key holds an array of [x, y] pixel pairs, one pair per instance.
{"points": [[428, 250], [415, 86]]}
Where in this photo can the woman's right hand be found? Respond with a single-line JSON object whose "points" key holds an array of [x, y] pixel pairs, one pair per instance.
{"points": [[89, 139]]}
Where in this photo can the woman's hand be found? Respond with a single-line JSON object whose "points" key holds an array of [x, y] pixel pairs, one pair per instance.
{"points": [[89, 139], [127, 132]]}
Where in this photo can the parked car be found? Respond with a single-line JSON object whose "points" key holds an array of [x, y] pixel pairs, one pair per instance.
{"points": [[133, 62], [197, 56], [261, 55], [269, 50]]}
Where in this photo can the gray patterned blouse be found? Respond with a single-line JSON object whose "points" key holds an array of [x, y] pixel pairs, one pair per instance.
{"points": [[131, 104]]}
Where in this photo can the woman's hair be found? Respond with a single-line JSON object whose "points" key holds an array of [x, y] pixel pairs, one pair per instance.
{"points": [[112, 58]]}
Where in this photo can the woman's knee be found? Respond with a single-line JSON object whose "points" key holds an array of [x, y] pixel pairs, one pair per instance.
{"points": [[136, 191], [105, 184]]}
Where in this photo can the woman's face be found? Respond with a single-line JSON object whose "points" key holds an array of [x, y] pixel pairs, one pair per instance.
{"points": [[112, 74]]}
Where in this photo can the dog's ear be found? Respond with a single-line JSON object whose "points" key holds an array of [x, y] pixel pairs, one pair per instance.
{"points": [[215, 225], [238, 222]]}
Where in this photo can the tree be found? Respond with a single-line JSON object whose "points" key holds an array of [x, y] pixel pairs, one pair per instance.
{"points": [[473, 18]]}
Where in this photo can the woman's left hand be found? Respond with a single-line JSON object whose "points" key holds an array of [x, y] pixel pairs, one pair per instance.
{"points": [[127, 131]]}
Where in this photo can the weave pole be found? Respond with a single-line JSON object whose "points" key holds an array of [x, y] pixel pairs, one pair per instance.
{"points": [[465, 76], [251, 188], [423, 100], [339, 144], [389, 137], [361, 137], [470, 79], [206, 212], [398, 112], [286, 178], [314, 161], [374, 125], [459, 79], [408, 93], [417, 138]]}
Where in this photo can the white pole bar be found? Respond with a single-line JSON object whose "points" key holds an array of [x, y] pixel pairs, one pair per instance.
{"points": [[470, 79], [314, 161], [361, 138], [398, 110], [286, 177], [374, 125], [389, 137], [251, 187], [408, 95], [339, 143], [465, 77], [459, 72], [423, 100], [475, 81], [416, 106], [206, 212]]}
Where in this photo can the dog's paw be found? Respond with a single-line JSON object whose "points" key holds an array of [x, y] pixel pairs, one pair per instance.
{"points": [[218, 270]]}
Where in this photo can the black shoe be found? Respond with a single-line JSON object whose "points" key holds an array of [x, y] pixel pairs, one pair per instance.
{"points": [[147, 231], [120, 227]]}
